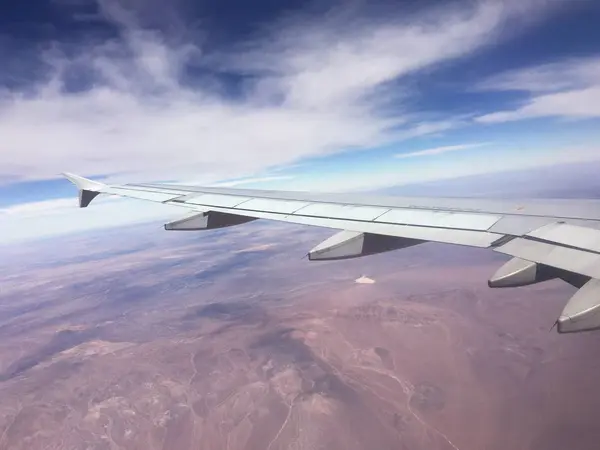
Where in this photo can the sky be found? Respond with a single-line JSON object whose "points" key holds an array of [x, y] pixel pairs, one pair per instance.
{"points": [[300, 95]]}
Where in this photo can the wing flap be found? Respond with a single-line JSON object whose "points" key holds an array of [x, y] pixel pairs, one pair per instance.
{"points": [[276, 206], [551, 254], [519, 225], [335, 211], [439, 219], [569, 235]]}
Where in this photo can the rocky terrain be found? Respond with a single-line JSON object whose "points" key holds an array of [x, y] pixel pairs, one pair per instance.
{"points": [[142, 339]]}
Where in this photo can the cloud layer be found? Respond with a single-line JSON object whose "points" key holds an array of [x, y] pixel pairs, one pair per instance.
{"points": [[568, 89], [301, 88], [441, 150]]}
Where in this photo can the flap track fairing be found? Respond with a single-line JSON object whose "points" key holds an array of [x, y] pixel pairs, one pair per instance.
{"points": [[207, 220], [350, 244]]}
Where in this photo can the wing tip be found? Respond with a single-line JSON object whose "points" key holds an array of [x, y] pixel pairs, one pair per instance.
{"points": [[83, 183], [88, 189]]}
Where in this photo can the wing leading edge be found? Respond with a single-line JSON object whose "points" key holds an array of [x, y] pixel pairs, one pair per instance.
{"points": [[547, 239]]}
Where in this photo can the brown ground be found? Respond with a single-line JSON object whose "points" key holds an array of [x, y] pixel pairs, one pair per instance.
{"points": [[232, 341]]}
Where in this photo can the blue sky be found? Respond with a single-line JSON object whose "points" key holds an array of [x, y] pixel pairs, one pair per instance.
{"points": [[313, 95]]}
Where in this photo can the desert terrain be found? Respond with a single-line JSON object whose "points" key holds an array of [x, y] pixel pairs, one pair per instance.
{"points": [[144, 339]]}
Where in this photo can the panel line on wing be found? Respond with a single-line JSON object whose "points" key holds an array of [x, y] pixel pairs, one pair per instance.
{"points": [[293, 213], [382, 214], [561, 244], [242, 202]]}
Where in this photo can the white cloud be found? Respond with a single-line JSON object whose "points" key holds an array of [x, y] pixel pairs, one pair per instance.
{"points": [[567, 89], [62, 216], [440, 150], [253, 180], [317, 87], [396, 173], [556, 76], [52, 207], [579, 104], [39, 208]]}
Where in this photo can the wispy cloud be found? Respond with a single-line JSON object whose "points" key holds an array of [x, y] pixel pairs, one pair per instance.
{"points": [[308, 88], [48, 207], [63, 216], [568, 89], [39, 208], [440, 150], [576, 104], [256, 180], [572, 73]]}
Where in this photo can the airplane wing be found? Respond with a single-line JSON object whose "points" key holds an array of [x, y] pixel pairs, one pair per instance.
{"points": [[547, 239]]}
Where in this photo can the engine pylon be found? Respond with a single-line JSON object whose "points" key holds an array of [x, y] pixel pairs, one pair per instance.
{"points": [[207, 220]]}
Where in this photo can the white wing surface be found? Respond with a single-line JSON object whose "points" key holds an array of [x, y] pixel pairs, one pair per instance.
{"points": [[547, 238]]}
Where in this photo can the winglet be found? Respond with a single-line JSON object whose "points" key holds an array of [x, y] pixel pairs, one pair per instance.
{"points": [[88, 189]]}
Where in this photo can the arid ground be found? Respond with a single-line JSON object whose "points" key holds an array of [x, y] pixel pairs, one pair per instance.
{"points": [[144, 339]]}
